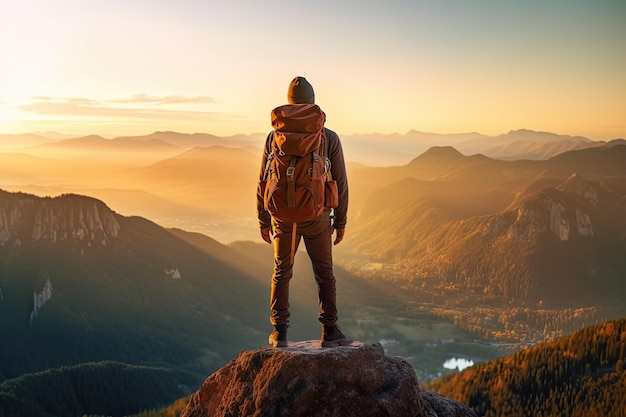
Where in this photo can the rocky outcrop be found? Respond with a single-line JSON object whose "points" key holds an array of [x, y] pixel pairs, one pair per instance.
{"points": [[562, 212], [27, 218], [306, 380]]}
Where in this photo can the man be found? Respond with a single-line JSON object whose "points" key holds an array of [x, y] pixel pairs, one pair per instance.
{"points": [[317, 234]]}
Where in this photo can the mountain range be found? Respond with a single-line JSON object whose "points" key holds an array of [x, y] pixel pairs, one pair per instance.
{"points": [[370, 149], [425, 221], [515, 231], [162, 177], [515, 250], [471, 236], [398, 149]]}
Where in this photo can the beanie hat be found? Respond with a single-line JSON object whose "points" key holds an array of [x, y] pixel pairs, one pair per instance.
{"points": [[300, 92]]}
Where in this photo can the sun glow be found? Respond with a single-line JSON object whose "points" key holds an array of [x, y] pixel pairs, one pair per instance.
{"points": [[133, 68]]}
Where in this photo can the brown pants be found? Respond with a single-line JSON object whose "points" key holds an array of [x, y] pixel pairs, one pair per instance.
{"points": [[318, 242]]}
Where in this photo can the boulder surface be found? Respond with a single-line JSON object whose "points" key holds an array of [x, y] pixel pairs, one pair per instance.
{"points": [[304, 380]]}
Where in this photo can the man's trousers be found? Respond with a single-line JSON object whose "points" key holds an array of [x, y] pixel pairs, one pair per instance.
{"points": [[317, 237]]}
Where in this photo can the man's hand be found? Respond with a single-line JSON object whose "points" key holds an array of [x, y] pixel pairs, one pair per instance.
{"points": [[266, 234], [339, 237]]}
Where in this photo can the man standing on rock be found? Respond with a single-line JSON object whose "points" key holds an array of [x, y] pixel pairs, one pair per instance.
{"points": [[299, 137]]}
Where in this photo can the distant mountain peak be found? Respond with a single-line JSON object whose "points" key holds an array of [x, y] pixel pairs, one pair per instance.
{"points": [[419, 132], [438, 155], [520, 131], [538, 136], [442, 152], [616, 142], [85, 140]]}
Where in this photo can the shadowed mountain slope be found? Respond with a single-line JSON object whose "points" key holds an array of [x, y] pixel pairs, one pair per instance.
{"points": [[108, 287]]}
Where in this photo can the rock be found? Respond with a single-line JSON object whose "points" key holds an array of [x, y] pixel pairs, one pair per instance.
{"points": [[307, 380], [436, 405]]}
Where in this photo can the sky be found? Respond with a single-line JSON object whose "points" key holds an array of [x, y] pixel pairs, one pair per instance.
{"points": [[132, 67]]}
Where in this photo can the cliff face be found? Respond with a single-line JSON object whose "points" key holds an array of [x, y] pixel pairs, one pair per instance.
{"points": [[26, 219], [305, 380], [564, 212]]}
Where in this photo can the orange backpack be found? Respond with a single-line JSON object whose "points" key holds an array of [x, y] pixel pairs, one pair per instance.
{"points": [[297, 166]]}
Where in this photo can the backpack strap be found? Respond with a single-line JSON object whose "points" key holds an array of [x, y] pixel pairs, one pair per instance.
{"points": [[270, 156], [291, 182], [327, 163]]}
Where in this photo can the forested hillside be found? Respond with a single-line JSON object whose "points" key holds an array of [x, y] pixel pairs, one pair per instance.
{"points": [[578, 375], [103, 388]]}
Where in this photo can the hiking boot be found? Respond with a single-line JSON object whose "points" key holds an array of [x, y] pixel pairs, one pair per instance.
{"points": [[278, 338], [332, 337]]}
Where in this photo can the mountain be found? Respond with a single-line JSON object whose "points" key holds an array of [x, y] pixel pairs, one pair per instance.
{"points": [[452, 189], [398, 149], [463, 233], [20, 141], [216, 178], [580, 374], [597, 162], [80, 283], [562, 246], [94, 147], [527, 144], [189, 141]]}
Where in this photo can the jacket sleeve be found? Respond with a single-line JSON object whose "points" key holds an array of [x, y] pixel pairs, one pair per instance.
{"points": [[338, 171], [265, 220]]}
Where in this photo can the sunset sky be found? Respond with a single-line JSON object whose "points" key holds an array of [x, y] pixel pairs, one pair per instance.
{"points": [[127, 67]]}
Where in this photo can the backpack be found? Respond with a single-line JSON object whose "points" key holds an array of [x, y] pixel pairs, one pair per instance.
{"points": [[297, 167]]}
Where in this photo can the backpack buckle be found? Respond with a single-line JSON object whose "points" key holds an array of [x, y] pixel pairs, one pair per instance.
{"points": [[290, 171]]}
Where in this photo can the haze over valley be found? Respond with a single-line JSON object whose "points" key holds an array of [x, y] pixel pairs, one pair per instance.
{"points": [[202, 182]]}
